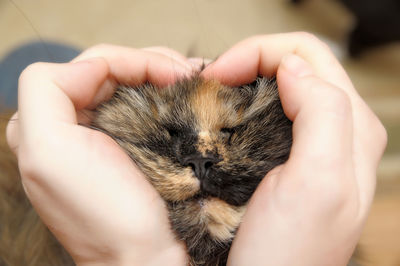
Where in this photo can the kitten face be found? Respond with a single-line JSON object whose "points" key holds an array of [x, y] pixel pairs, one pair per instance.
{"points": [[204, 146]]}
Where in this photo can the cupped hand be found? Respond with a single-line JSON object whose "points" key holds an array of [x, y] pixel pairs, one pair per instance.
{"points": [[84, 187], [310, 210]]}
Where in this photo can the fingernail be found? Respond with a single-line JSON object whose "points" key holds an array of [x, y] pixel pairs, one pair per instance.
{"points": [[296, 65]]}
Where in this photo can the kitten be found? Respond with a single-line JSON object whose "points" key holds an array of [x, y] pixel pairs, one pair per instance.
{"points": [[205, 148]]}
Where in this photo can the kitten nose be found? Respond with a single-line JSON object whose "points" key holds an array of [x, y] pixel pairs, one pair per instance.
{"points": [[200, 165]]}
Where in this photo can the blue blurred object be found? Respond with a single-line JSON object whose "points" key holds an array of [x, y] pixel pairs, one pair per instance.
{"points": [[17, 60]]}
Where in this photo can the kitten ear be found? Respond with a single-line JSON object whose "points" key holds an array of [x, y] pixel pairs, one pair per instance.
{"points": [[254, 85], [264, 91], [248, 92]]}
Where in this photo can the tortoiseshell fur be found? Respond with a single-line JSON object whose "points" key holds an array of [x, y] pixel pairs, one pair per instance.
{"points": [[239, 134]]}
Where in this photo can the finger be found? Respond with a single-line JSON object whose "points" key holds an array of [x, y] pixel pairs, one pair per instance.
{"points": [[12, 133], [322, 121], [57, 89], [261, 55], [369, 136], [50, 94], [132, 66], [171, 53]]}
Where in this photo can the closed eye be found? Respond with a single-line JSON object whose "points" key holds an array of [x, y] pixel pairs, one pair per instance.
{"points": [[228, 132], [172, 132]]}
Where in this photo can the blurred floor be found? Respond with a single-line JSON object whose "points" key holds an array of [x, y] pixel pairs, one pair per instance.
{"points": [[208, 27]]}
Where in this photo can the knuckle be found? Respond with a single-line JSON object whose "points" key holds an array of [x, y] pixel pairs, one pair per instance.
{"points": [[380, 133], [98, 48], [373, 131], [307, 36], [33, 70], [313, 39]]}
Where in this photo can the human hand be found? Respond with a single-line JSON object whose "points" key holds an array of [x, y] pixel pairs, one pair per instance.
{"points": [[84, 187], [310, 210]]}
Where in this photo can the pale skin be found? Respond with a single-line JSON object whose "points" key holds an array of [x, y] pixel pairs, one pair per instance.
{"points": [[308, 211]]}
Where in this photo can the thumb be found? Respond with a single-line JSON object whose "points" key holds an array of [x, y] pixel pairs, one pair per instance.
{"points": [[321, 115]]}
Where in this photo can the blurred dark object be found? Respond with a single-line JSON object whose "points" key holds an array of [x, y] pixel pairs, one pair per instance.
{"points": [[377, 23], [17, 60]]}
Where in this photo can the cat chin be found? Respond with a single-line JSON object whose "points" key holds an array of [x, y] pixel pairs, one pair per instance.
{"points": [[204, 147], [223, 218], [220, 218]]}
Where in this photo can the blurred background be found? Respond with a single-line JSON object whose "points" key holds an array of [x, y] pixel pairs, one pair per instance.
{"points": [[364, 34]]}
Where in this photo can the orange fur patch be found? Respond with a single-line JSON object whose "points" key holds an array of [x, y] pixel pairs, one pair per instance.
{"points": [[207, 106], [173, 185], [223, 218]]}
